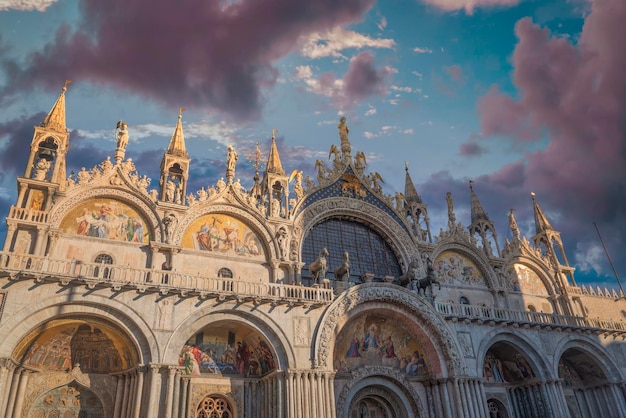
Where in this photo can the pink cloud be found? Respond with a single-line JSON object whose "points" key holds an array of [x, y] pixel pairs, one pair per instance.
{"points": [[472, 149], [363, 79], [454, 71], [573, 97], [469, 5], [208, 54]]}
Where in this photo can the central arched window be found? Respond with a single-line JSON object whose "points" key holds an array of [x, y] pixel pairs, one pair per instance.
{"points": [[225, 273], [368, 251]]}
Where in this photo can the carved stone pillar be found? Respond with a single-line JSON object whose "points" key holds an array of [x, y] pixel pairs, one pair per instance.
{"points": [[176, 405], [19, 401], [40, 241], [298, 395], [138, 391], [11, 228], [184, 397], [153, 394], [171, 375], [15, 380]]}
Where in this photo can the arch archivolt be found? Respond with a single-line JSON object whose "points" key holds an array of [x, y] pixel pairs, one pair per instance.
{"points": [[539, 269], [371, 378], [540, 363], [394, 234], [81, 195], [256, 320], [248, 218], [371, 296], [591, 348], [20, 326], [476, 257]]}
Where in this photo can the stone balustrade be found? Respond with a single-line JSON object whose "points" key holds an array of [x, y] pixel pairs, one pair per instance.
{"points": [[27, 266], [489, 315], [28, 214]]}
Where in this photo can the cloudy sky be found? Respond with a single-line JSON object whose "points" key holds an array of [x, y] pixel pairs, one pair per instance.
{"points": [[520, 96]]}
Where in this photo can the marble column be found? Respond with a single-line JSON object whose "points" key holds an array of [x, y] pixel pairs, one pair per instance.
{"points": [[176, 405], [11, 228], [183, 397], [19, 401], [153, 395], [171, 375], [138, 391], [15, 380], [290, 394]]}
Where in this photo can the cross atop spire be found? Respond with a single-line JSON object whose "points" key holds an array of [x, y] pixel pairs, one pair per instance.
{"points": [[56, 117]]}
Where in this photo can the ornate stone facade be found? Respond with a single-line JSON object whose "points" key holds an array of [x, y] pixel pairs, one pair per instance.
{"points": [[119, 300]]}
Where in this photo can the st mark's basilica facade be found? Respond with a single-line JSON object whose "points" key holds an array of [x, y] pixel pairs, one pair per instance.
{"points": [[298, 297]]}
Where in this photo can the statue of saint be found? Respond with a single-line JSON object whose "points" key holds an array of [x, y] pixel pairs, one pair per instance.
{"points": [[343, 136], [122, 134]]}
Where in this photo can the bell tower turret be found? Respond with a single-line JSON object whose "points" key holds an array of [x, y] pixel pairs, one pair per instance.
{"points": [[275, 183], [175, 167]]}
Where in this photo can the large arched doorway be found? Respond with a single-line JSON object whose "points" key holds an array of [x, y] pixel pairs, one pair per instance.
{"points": [[509, 374], [377, 401], [586, 386], [76, 365]]}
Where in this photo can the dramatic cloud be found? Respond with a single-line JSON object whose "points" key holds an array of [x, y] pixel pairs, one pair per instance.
{"points": [[26, 5], [331, 43], [210, 54], [469, 5], [574, 98], [363, 79]]}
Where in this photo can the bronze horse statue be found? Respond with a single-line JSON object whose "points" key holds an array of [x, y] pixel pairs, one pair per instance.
{"points": [[343, 271], [318, 267], [411, 282]]}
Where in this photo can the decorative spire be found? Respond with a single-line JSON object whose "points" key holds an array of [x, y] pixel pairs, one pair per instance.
{"points": [[177, 143], [541, 222], [482, 225], [410, 193], [478, 213], [273, 160], [56, 117]]}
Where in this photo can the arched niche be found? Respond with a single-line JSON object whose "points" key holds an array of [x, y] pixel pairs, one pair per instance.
{"points": [[228, 348], [223, 234], [527, 280], [95, 345], [106, 218], [579, 368], [456, 268]]}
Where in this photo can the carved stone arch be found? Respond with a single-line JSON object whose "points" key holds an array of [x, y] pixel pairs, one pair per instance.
{"points": [[393, 384], [205, 401], [400, 241], [477, 257], [250, 219], [539, 361], [139, 202], [135, 329], [591, 348], [539, 268], [256, 320], [337, 314]]}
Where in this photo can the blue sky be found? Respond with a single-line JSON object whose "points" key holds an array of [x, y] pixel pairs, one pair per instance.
{"points": [[519, 96]]}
